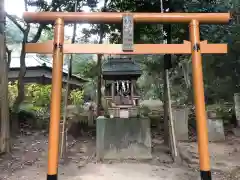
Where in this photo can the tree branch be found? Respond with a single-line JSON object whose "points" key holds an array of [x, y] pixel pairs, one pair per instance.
{"points": [[101, 31], [26, 5], [7, 50], [38, 34], [42, 26], [9, 56], [15, 22]]}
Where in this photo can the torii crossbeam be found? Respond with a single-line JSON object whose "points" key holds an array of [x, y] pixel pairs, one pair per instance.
{"points": [[185, 48], [194, 47]]}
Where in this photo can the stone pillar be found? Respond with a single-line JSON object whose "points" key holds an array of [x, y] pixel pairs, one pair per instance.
{"points": [[100, 125], [180, 117], [236, 130]]}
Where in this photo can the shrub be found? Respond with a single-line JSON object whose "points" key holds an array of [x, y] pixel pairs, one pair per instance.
{"points": [[12, 93], [38, 98], [76, 96]]}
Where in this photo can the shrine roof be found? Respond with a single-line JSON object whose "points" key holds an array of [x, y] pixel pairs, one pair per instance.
{"points": [[121, 66]]}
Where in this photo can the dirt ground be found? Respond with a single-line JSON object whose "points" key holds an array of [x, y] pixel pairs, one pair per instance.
{"points": [[28, 161], [225, 157]]}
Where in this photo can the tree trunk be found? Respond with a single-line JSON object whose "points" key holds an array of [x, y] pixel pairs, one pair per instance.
{"points": [[20, 85], [99, 65], [4, 107], [99, 85], [22, 72]]}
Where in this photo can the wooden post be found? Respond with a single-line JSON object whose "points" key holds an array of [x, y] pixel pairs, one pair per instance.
{"points": [[54, 131], [169, 126], [113, 90], [4, 105], [202, 130], [132, 92]]}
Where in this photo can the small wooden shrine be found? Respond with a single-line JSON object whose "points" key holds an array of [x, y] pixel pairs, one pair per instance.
{"points": [[120, 89]]}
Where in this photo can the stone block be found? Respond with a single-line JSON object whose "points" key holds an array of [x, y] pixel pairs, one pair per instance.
{"points": [[120, 138], [180, 117], [236, 132], [237, 107], [216, 130]]}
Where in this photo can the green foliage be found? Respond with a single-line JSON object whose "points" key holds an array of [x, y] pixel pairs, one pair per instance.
{"points": [[222, 110], [76, 96], [13, 34], [38, 98], [62, 5], [221, 72], [144, 111], [39, 95], [85, 66], [90, 89], [12, 93]]}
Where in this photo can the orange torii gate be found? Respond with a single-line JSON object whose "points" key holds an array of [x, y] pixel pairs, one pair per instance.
{"points": [[194, 47]]}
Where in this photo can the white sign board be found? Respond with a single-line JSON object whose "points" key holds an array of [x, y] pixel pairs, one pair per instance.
{"points": [[124, 114]]}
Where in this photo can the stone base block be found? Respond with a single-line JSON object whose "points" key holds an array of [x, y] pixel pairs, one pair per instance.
{"points": [[180, 117], [236, 131], [216, 130], [120, 138]]}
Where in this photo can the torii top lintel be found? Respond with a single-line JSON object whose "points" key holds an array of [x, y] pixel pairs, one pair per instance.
{"points": [[112, 17]]}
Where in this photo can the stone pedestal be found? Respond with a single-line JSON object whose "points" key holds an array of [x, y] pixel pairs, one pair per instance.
{"points": [[215, 130], [180, 117], [121, 138]]}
